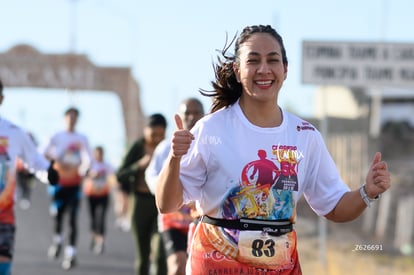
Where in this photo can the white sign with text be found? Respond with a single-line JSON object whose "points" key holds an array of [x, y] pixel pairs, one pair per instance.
{"points": [[358, 64]]}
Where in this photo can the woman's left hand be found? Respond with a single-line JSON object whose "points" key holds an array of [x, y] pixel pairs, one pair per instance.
{"points": [[378, 179]]}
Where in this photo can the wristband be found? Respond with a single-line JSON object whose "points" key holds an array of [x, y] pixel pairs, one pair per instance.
{"points": [[365, 197]]}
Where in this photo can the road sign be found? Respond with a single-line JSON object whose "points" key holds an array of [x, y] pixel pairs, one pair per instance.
{"points": [[358, 64]]}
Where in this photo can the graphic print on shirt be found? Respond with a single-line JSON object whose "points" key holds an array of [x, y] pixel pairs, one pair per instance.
{"points": [[99, 182], [265, 192], [98, 185], [267, 185], [6, 184], [72, 155], [68, 164]]}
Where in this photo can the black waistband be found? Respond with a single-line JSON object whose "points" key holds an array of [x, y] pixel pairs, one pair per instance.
{"points": [[144, 194], [275, 228]]}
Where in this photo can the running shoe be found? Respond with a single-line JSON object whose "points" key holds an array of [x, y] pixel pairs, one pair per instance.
{"points": [[54, 250], [98, 247], [69, 262]]}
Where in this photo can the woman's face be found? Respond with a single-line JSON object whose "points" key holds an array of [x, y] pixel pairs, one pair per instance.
{"points": [[261, 70]]}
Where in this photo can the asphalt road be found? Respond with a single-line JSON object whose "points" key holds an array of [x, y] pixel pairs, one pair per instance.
{"points": [[34, 234]]}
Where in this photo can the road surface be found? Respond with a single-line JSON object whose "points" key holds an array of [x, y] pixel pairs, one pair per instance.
{"points": [[34, 234]]}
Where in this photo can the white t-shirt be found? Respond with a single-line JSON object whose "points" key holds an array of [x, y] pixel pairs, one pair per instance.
{"points": [[15, 142], [99, 179], [157, 161], [235, 169], [70, 148], [177, 220]]}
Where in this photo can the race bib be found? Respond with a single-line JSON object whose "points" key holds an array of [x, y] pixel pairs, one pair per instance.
{"points": [[97, 186], [71, 158], [257, 248]]}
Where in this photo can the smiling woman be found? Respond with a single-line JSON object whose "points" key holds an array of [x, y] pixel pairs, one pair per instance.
{"points": [[40, 111]]}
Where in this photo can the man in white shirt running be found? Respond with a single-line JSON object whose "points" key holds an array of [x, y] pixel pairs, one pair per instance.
{"points": [[15, 143], [73, 158]]}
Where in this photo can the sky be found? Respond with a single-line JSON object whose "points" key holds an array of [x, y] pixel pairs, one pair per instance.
{"points": [[170, 47]]}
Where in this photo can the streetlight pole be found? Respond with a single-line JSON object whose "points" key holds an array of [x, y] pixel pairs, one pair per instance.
{"points": [[322, 223], [73, 26], [73, 20]]}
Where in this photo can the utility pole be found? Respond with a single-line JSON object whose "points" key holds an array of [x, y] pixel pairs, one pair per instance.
{"points": [[322, 223], [73, 25], [73, 20]]}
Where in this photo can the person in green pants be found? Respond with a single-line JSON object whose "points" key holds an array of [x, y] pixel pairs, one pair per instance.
{"points": [[131, 177]]}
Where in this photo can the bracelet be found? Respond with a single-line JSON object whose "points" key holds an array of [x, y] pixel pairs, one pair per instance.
{"points": [[365, 197]]}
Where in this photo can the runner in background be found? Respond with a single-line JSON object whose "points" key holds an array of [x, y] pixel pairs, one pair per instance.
{"points": [[174, 227], [97, 188], [15, 143], [73, 158], [131, 176]]}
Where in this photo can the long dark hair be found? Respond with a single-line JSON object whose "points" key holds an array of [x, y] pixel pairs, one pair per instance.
{"points": [[226, 89]]}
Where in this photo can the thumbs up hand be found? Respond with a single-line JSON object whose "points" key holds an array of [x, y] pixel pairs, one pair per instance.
{"points": [[181, 139], [378, 178]]}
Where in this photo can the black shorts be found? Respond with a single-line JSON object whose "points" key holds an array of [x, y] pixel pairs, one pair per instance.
{"points": [[7, 233], [174, 240]]}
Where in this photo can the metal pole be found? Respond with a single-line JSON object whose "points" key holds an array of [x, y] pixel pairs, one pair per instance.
{"points": [[322, 224], [72, 42], [375, 119], [73, 26]]}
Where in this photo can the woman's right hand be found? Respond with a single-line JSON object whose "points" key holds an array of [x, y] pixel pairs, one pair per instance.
{"points": [[181, 139]]}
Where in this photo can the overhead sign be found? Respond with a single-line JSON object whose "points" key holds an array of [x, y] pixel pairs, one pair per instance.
{"points": [[356, 64]]}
